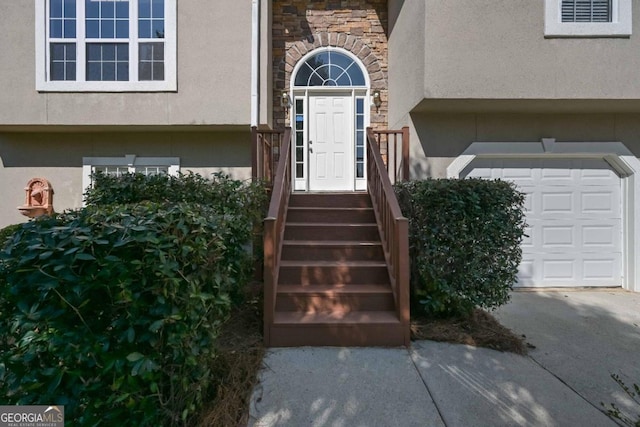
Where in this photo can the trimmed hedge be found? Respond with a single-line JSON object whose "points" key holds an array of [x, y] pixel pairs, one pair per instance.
{"points": [[7, 232], [114, 310], [465, 240]]}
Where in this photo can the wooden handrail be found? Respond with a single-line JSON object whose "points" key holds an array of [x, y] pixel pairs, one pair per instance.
{"points": [[394, 229], [266, 147], [394, 148], [274, 229]]}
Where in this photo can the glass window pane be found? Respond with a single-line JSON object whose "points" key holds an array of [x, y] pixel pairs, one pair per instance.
{"points": [[55, 29], [158, 8], [145, 51], [299, 170], [71, 70], [71, 51], [107, 30], [144, 71], [158, 51], [360, 138], [123, 71], [70, 28], [360, 122], [157, 29], [57, 71], [299, 154], [122, 52], [55, 9], [108, 71], [341, 60], [357, 78], [108, 52], [94, 52], [158, 71], [299, 122], [92, 9], [359, 170], [299, 106], [360, 106], [93, 28], [315, 80], [144, 8], [344, 80], [122, 9], [108, 9], [360, 153], [323, 72], [93, 71], [57, 51], [299, 139], [69, 8], [144, 29], [122, 29]]}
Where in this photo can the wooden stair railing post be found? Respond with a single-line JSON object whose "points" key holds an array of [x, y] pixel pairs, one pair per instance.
{"points": [[405, 153], [273, 230], [393, 229]]}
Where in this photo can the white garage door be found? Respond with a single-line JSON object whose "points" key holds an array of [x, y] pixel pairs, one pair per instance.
{"points": [[574, 217]]}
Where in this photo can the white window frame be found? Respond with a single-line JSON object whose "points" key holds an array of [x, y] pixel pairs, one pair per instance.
{"points": [[131, 161], [169, 84], [620, 25]]}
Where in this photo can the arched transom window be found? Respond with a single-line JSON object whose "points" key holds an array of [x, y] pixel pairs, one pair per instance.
{"points": [[330, 68]]}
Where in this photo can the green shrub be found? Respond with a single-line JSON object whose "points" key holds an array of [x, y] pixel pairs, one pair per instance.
{"points": [[222, 193], [7, 232], [113, 311], [465, 240]]}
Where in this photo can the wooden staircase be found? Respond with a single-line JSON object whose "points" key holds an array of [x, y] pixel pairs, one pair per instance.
{"points": [[336, 266], [333, 283]]}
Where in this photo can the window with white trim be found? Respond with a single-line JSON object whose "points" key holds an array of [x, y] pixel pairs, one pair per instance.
{"points": [[587, 18], [106, 45], [118, 166]]}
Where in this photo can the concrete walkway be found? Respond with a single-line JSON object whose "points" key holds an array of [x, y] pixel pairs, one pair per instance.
{"points": [[439, 384]]}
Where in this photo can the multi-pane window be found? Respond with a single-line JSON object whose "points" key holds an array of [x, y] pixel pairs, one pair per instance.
{"points": [[107, 45], [359, 137], [586, 10], [299, 138]]}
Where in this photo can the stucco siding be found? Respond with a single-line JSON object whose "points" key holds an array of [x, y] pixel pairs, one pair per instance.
{"points": [[496, 50], [437, 139], [58, 158], [406, 58], [213, 74]]}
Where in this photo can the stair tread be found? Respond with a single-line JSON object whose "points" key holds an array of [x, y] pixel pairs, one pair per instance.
{"points": [[294, 318], [332, 242], [330, 263], [330, 208], [331, 224], [334, 289]]}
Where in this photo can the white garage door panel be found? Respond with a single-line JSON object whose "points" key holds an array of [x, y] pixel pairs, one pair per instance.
{"points": [[574, 219]]}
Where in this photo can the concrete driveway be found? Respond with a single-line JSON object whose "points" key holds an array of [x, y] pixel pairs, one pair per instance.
{"points": [[582, 337]]}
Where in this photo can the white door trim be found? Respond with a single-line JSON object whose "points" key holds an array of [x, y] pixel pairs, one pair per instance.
{"points": [[621, 159]]}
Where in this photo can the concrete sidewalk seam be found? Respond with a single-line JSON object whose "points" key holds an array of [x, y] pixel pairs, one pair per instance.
{"points": [[571, 388], [426, 386]]}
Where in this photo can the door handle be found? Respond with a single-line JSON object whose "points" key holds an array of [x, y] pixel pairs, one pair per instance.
{"points": [[310, 142]]}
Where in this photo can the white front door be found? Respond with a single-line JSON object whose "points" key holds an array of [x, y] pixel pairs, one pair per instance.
{"points": [[331, 165]]}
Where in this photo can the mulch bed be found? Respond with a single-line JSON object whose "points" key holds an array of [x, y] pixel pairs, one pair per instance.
{"points": [[479, 330]]}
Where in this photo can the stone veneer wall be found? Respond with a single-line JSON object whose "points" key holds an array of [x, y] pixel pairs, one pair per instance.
{"points": [[359, 26]]}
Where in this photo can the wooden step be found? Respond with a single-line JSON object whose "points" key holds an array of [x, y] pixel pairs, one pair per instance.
{"points": [[332, 272], [332, 250], [330, 215], [334, 298], [356, 328], [324, 231], [330, 200]]}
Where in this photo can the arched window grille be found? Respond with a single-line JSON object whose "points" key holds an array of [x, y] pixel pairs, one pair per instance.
{"points": [[330, 68]]}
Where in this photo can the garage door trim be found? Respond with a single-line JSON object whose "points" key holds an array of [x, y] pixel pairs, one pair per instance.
{"points": [[615, 153]]}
